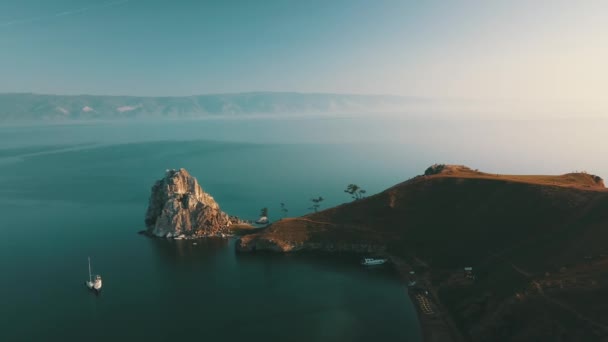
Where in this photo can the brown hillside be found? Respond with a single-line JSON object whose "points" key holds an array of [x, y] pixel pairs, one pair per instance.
{"points": [[516, 231], [463, 216]]}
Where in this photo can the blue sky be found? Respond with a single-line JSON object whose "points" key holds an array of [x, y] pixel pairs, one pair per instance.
{"points": [[533, 50]]}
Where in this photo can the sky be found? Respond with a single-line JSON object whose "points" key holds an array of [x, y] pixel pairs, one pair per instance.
{"points": [[484, 50]]}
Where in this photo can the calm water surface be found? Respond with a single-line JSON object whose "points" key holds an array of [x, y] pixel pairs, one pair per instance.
{"points": [[72, 191], [67, 192]]}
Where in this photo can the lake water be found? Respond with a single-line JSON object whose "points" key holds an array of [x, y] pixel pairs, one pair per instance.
{"points": [[72, 191], [67, 192]]}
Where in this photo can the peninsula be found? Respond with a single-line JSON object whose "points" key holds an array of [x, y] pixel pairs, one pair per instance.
{"points": [[499, 257], [486, 257]]}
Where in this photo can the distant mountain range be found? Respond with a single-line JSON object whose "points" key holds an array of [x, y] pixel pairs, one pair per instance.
{"points": [[36, 107]]}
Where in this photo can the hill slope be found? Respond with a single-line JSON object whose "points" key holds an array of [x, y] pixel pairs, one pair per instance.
{"points": [[522, 235], [486, 213]]}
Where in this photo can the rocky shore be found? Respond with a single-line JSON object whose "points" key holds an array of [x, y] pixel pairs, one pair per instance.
{"points": [[304, 234]]}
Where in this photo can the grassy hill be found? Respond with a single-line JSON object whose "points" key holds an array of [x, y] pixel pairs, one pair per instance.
{"points": [[521, 234]]}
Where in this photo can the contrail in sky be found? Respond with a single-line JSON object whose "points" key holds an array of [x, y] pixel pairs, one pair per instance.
{"points": [[64, 13]]}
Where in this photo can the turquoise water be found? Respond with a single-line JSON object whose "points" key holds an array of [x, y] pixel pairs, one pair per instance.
{"points": [[72, 191], [68, 192]]}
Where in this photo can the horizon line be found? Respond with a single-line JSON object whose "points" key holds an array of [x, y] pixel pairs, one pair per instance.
{"points": [[214, 94]]}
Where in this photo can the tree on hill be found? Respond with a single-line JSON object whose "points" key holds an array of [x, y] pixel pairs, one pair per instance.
{"points": [[316, 204], [284, 210], [434, 169], [264, 212], [355, 191]]}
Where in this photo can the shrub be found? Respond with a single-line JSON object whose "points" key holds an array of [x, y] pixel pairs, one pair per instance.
{"points": [[434, 169]]}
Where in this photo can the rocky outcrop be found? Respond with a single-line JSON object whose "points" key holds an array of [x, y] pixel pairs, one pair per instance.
{"points": [[179, 206]]}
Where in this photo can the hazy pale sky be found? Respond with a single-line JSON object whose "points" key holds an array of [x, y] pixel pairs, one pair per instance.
{"points": [[528, 50]]}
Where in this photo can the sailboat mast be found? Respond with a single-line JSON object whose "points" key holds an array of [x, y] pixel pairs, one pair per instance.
{"points": [[90, 269]]}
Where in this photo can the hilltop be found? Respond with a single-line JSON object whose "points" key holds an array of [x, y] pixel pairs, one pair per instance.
{"points": [[537, 243], [581, 180]]}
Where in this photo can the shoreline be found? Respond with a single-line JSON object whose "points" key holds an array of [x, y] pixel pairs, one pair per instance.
{"points": [[434, 321], [436, 325], [235, 231]]}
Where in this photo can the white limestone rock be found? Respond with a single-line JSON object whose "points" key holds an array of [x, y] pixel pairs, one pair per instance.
{"points": [[178, 205]]}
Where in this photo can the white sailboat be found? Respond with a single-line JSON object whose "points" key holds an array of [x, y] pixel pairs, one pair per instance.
{"points": [[94, 285]]}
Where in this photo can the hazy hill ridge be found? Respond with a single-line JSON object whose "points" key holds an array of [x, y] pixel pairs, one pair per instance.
{"points": [[31, 107]]}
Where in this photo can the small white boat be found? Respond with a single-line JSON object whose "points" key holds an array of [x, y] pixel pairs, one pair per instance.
{"points": [[372, 261], [94, 285], [262, 220]]}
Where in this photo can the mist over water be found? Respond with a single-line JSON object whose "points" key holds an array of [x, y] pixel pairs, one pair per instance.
{"points": [[74, 190], [518, 146]]}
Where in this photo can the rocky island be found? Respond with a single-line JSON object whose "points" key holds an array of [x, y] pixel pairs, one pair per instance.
{"points": [[179, 207]]}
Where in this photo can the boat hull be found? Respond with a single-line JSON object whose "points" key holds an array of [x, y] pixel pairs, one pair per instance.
{"points": [[374, 262], [92, 287]]}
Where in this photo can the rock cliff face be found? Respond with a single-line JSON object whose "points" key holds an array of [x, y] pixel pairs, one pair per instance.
{"points": [[178, 205]]}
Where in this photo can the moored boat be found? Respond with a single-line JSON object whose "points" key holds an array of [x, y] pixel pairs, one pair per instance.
{"points": [[372, 261], [262, 220], [94, 285]]}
